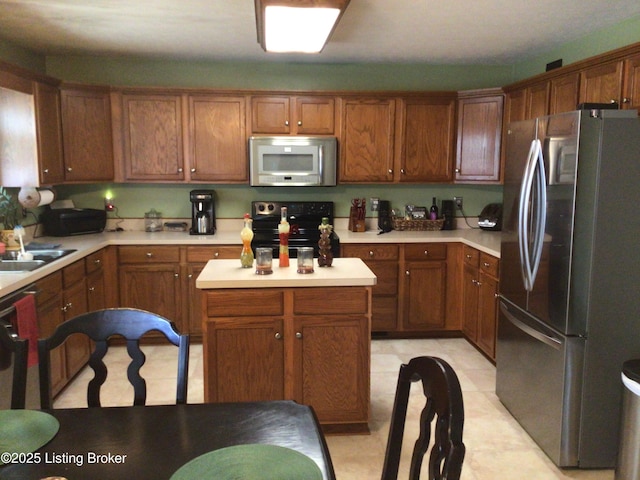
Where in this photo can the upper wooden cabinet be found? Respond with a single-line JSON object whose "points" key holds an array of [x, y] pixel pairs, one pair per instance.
{"points": [[526, 103], [49, 130], [304, 115], [152, 137], [217, 139], [86, 134], [602, 83], [367, 140], [631, 83], [425, 142], [564, 93], [479, 136]]}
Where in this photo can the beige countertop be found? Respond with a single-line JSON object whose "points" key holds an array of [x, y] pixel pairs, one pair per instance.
{"points": [[488, 242], [345, 272]]}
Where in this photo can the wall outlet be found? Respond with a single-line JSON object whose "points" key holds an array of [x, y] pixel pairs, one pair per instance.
{"points": [[458, 201], [374, 202]]}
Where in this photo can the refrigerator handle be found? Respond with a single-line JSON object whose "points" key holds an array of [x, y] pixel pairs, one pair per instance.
{"points": [[523, 217], [540, 205], [553, 342]]}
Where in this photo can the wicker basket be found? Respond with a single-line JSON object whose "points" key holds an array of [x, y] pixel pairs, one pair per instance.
{"points": [[417, 225]]}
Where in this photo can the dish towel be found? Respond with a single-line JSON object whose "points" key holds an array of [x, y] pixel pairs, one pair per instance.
{"points": [[26, 324]]}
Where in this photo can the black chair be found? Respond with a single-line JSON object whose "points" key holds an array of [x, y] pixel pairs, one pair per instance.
{"points": [[10, 343], [101, 325], [444, 400]]}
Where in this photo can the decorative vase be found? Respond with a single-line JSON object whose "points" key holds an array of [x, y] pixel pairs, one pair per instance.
{"points": [[325, 256]]}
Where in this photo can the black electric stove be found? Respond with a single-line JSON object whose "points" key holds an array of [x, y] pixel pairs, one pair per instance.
{"points": [[303, 218]]}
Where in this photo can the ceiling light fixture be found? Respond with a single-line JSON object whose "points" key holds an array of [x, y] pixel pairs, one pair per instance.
{"points": [[297, 25]]}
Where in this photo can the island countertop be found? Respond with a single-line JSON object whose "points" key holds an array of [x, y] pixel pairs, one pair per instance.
{"points": [[345, 272]]}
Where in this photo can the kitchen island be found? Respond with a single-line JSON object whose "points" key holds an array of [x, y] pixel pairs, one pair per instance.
{"points": [[290, 336]]}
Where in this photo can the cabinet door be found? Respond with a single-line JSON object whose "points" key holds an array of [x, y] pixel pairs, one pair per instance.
{"points": [[77, 347], [153, 287], [331, 356], [516, 106], [470, 302], [194, 307], [602, 83], [314, 116], [479, 133], [366, 152], [270, 114], [538, 100], [86, 134], [153, 137], [487, 314], [49, 131], [244, 359], [631, 87], [563, 95], [217, 139], [424, 295], [427, 133]]}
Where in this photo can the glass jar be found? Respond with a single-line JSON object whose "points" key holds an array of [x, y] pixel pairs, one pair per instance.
{"points": [[305, 260], [153, 221], [264, 261]]}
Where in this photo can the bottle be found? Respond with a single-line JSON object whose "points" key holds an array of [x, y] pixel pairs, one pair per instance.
{"points": [[246, 234], [433, 211], [283, 234], [325, 255]]}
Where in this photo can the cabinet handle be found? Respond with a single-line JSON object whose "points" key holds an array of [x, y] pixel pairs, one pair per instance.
{"points": [[193, 170], [216, 255], [46, 170], [179, 170], [486, 264], [149, 254], [286, 123], [426, 253], [457, 170], [67, 307], [176, 275], [468, 256], [402, 171], [390, 170], [97, 262], [278, 336], [299, 123], [69, 169], [478, 283], [407, 273], [190, 275], [298, 334], [474, 281], [626, 100], [613, 100], [371, 253]]}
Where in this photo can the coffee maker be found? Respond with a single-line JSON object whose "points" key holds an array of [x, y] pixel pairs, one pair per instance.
{"points": [[203, 216]]}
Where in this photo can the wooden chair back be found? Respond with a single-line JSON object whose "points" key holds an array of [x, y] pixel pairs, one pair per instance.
{"points": [[100, 326]]}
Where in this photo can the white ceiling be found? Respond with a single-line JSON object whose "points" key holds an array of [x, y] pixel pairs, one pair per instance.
{"points": [[420, 31]]}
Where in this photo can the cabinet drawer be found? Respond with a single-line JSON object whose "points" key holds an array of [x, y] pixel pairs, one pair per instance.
{"points": [[244, 302], [48, 288], [371, 251], [470, 256], [489, 264], [425, 251], [94, 262], [310, 301], [149, 254], [73, 273], [204, 254]]}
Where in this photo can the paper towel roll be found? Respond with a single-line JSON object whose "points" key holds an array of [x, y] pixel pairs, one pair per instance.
{"points": [[31, 197]]}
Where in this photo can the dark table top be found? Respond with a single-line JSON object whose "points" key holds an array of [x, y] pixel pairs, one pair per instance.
{"points": [[158, 440]]}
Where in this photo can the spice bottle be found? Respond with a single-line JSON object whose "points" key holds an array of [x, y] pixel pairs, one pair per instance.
{"points": [[246, 234], [325, 256], [283, 233]]}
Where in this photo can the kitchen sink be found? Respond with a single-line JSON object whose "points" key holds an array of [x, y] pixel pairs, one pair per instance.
{"points": [[9, 262]]}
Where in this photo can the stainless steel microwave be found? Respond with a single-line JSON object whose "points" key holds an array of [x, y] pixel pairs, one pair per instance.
{"points": [[293, 161]]}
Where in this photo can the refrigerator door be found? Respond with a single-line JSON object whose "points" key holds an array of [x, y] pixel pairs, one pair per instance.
{"points": [[539, 381]]}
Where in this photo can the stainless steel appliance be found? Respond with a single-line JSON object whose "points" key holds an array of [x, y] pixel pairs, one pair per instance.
{"points": [[7, 310], [570, 272], [304, 219], [203, 215], [293, 161]]}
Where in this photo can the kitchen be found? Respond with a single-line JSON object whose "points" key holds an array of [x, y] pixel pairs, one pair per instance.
{"points": [[234, 200]]}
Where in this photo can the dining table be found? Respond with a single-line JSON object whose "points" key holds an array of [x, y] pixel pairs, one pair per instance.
{"points": [[154, 442]]}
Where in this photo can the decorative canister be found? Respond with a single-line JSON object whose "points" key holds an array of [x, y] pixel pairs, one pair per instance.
{"points": [[153, 221]]}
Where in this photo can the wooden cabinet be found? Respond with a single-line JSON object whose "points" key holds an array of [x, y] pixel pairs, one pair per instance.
{"points": [[77, 347], [96, 281], [631, 83], [424, 286], [425, 140], [150, 279], [564, 93], [479, 136], [217, 139], [49, 131], [86, 133], [301, 115], [479, 294], [383, 261], [367, 140], [152, 136], [602, 83], [290, 343]]}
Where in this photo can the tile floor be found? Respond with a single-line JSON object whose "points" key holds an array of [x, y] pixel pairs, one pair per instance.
{"points": [[497, 448]]}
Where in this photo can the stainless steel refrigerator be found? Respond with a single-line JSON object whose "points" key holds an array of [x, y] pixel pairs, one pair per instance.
{"points": [[570, 280]]}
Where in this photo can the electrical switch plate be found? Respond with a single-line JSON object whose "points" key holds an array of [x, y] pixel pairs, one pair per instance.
{"points": [[374, 201]]}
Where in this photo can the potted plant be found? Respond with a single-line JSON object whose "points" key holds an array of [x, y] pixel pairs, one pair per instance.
{"points": [[9, 209]]}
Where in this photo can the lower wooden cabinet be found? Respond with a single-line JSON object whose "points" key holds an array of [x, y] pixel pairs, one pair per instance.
{"points": [[311, 345], [479, 299]]}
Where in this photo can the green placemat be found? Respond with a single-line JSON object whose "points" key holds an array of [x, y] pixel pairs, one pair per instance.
{"points": [[250, 462], [25, 431]]}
